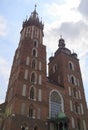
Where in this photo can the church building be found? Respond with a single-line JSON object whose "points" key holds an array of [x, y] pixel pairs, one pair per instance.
{"points": [[35, 101]]}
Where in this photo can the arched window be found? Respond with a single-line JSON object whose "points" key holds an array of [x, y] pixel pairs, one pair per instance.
{"points": [[34, 52], [31, 111], [34, 63], [33, 77], [71, 66], [32, 93], [56, 103], [72, 80], [35, 43]]}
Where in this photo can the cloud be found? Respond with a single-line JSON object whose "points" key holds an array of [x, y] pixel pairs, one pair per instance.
{"points": [[3, 26], [83, 7], [4, 76], [4, 69], [66, 11], [75, 33]]}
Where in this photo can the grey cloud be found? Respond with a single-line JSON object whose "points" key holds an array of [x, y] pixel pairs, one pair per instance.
{"points": [[83, 7], [73, 30]]}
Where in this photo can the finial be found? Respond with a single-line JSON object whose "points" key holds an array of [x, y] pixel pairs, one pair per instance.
{"points": [[60, 36], [35, 6]]}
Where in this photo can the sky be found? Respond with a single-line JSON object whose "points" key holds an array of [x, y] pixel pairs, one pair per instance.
{"points": [[68, 18]]}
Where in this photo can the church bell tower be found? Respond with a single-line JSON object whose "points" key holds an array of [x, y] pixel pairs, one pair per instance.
{"points": [[27, 83]]}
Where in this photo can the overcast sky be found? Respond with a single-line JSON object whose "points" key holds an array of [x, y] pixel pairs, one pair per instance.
{"points": [[68, 18]]}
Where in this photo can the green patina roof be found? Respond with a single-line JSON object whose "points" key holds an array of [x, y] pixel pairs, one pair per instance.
{"points": [[61, 115]]}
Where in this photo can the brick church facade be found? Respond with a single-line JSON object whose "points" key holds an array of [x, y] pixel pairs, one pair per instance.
{"points": [[35, 101]]}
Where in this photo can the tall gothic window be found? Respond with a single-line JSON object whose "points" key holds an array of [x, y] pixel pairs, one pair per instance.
{"points": [[32, 93], [72, 80], [35, 43], [71, 66], [55, 102], [33, 77], [31, 111], [34, 52], [34, 64]]}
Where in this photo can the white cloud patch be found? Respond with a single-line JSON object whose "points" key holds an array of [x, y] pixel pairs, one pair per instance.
{"points": [[3, 26], [64, 12], [4, 69], [4, 76]]}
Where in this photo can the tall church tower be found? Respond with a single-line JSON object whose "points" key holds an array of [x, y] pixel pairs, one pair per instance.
{"points": [[26, 106]]}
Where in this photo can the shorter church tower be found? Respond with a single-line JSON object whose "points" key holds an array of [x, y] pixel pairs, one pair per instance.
{"points": [[64, 72]]}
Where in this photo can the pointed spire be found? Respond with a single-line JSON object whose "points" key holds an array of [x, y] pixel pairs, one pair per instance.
{"points": [[33, 19]]}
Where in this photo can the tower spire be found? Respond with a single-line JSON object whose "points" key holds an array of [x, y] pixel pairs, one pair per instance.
{"points": [[35, 7], [33, 20]]}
